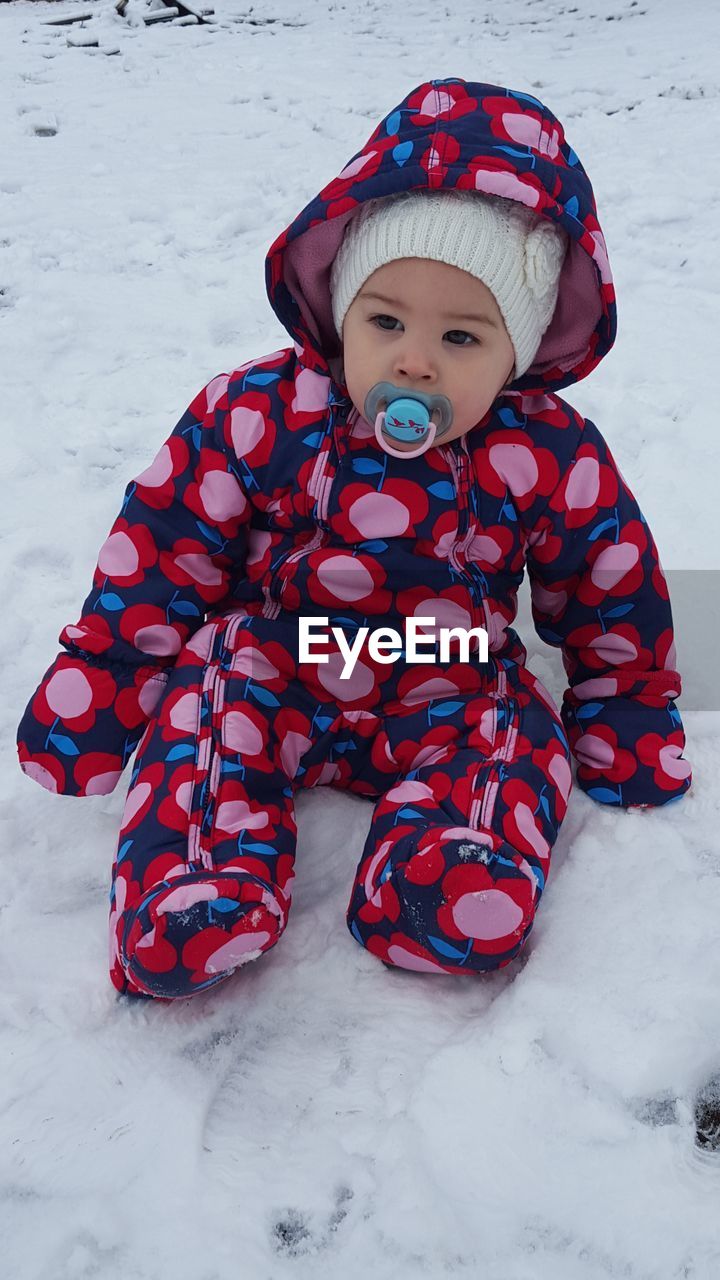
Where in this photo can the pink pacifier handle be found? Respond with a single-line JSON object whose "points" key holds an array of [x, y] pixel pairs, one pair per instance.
{"points": [[403, 453]]}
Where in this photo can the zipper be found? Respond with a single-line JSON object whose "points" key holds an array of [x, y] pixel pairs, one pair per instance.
{"points": [[460, 465], [457, 468], [457, 465], [209, 757], [507, 719], [467, 571], [320, 483], [277, 585]]}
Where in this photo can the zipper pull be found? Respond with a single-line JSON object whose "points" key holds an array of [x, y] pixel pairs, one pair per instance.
{"points": [[336, 397]]}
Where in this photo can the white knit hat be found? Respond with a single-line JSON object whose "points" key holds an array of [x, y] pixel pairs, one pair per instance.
{"points": [[516, 253]]}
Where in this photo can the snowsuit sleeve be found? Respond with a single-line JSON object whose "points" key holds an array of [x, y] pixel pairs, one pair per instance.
{"points": [[169, 556], [599, 592]]}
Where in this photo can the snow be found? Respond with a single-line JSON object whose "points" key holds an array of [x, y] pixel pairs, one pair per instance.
{"points": [[320, 1114]]}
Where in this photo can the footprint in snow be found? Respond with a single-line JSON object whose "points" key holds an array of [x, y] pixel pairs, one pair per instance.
{"points": [[707, 1116], [292, 1232], [657, 1111]]}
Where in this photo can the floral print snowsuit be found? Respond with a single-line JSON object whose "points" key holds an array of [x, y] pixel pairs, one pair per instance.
{"points": [[271, 500]]}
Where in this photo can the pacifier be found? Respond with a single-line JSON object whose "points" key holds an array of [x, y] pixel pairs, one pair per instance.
{"points": [[406, 417]]}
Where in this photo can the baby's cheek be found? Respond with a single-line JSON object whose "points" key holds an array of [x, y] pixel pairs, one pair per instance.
{"points": [[466, 412], [358, 384]]}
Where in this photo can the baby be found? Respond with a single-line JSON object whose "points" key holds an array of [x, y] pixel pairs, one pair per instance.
{"points": [[399, 463]]}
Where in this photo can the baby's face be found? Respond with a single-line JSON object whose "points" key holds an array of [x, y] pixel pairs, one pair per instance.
{"points": [[434, 328]]}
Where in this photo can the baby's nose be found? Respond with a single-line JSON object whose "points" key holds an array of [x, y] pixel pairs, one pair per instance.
{"points": [[415, 367]]}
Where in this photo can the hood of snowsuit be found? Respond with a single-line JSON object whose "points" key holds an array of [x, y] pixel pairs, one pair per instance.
{"points": [[460, 134]]}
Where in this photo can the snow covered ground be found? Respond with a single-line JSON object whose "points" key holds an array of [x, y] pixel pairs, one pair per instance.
{"points": [[320, 1115]]}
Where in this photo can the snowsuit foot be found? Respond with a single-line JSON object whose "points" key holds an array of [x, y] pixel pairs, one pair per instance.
{"points": [[458, 852], [215, 923], [470, 792]]}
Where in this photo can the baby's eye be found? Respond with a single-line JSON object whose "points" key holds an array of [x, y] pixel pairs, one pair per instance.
{"points": [[390, 318], [456, 332], [462, 334]]}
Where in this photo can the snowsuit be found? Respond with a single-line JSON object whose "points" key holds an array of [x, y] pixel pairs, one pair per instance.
{"points": [[271, 500]]}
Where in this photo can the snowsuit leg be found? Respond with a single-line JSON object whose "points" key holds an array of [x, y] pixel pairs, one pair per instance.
{"points": [[458, 852], [202, 880]]}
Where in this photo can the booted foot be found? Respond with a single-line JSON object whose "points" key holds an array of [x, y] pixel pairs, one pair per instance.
{"points": [[190, 933]]}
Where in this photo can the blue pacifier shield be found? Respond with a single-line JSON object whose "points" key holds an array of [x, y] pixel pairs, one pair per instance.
{"points": [[407, 420]]}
